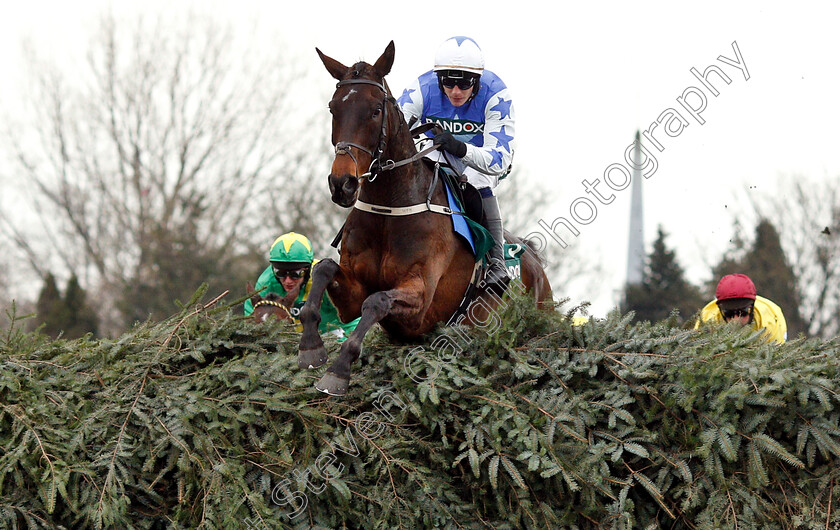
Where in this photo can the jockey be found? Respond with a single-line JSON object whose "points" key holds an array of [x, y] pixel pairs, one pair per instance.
{"points": [[736, 301], [474, 108], [291, 260]]}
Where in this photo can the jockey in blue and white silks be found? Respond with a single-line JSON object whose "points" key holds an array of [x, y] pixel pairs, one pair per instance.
{"points": [[475, 111], [485, 123]]}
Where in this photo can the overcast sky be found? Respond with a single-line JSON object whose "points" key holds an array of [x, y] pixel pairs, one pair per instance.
{"points": [[583, 79]]}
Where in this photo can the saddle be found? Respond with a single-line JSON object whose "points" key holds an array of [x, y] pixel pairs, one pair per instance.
{"points": [[466, 194]]}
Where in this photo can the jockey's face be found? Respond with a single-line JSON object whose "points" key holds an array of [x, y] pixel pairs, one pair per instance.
{"points": [[458, 96], [740, 315], [289, 284], [457, 85], [744, 320]]}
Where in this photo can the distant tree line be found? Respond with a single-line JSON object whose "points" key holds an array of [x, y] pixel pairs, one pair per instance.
{"points": [[665, 291], [173, 158], [70, 315]]}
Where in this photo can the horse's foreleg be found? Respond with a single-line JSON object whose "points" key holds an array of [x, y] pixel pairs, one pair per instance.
{"points": [[375, 307], [312, 352]]}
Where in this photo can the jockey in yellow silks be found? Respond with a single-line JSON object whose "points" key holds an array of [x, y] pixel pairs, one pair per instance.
{"points": [[736, 301]]}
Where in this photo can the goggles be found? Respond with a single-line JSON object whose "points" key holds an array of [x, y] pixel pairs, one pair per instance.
{"points": [[295, 274], [461, 82], [737, 313]]}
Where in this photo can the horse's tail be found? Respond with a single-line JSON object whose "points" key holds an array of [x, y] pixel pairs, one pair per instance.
{"points": [[533, 272]]}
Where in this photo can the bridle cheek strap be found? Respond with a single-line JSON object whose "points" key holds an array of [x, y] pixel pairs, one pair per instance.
{"points": [[343, 147]]}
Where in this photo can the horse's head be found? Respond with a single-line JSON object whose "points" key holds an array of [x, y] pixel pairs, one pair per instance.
{"points": [[272, 304], [360, 120]]}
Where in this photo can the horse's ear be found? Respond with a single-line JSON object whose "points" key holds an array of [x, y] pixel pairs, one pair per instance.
{"points": [[255, 297], [335, 68], [386, 61]]}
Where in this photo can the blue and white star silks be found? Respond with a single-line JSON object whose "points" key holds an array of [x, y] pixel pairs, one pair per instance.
{"points": [[502, 138], [498, 158], [486, 123], [405, 98], [503, 107]]}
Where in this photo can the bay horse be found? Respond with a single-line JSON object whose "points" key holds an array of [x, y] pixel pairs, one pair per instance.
{"points": [[408, 270], [272, 304]]}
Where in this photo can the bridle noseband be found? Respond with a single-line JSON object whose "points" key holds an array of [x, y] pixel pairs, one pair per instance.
{"points": [[342, 148], [376, 165]]}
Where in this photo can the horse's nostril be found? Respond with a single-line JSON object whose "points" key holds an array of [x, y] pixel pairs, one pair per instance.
{"points": [[350, 185]]}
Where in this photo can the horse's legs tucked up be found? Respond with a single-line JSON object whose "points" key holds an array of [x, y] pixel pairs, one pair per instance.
{"points": [[406, 300], [312, 353], [337, 378]]}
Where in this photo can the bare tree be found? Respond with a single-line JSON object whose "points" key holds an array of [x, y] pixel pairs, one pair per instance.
{"points": [[5, 299], [173, 142], [174, 156], [520, 199], [807, 214]]}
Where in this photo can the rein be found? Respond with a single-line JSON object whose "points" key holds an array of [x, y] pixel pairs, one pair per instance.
{"points": [[376, 165], [273, 303]]}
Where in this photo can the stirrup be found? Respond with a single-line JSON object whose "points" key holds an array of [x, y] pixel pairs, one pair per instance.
{"points": [[496, 280], [497, 287]]}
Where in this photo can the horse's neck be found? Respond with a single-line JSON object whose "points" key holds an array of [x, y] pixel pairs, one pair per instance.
{"points": [[404, 186]]}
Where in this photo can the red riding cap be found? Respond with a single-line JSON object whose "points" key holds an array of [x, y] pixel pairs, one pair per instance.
{"points": [[735, 286]]}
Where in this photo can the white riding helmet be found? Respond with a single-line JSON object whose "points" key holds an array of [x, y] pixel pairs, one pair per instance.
{"points": [[459, 53]]}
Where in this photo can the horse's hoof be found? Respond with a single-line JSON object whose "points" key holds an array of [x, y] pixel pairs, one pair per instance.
{"points": [[333, 385], [312, 358]]}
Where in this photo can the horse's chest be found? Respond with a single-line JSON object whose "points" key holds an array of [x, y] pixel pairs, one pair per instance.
{"points": [[382, 271]]}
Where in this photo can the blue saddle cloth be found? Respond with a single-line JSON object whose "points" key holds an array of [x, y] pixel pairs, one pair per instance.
{"points": [[476, 236], [459, 222]]}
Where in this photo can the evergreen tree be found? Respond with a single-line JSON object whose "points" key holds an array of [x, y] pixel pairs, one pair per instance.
{"points": [[5, 299], [51, 309], [663, 288], [81, 317], [768, 267], [731, 262], [171, 268]]}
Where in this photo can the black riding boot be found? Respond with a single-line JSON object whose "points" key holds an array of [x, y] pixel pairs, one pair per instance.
{"points": [[497, 276]]}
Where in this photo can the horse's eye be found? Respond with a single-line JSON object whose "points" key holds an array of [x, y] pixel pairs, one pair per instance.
{"points": [[376, 111]]}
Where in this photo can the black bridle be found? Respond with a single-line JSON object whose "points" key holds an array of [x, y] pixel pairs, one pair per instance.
{"points": [[342, 148], [376, 165]]}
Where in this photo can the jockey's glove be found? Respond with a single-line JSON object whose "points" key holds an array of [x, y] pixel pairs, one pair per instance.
{"points": [[450, 144]]}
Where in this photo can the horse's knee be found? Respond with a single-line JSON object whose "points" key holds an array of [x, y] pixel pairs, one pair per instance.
{"points": [[309, 313], [326, 268], [378, 303]]}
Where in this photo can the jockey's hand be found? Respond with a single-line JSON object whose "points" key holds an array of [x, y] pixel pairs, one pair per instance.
{"points": [[450, 144]]}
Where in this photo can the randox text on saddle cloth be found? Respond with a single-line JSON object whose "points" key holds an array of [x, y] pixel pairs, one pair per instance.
{"points": [[669, 124]]}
